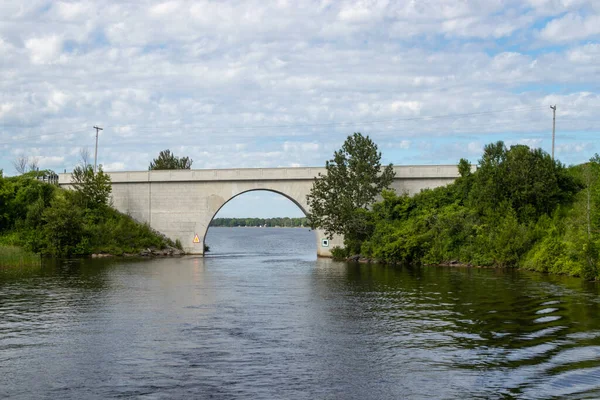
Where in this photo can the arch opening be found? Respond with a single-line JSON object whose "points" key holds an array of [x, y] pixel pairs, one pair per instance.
{"points": [[279, 219]]}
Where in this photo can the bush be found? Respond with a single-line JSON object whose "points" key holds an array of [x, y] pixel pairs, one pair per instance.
{"points": [[339, 253], [63, 228]]}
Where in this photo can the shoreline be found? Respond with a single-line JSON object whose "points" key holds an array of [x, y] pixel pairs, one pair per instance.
{"points": [[356, 259]]}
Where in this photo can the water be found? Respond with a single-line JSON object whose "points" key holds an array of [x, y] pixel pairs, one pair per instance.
{"points": [[262, 318]]}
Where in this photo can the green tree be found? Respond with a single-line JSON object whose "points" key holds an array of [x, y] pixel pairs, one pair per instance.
{"points": [[63, 228], [528, 179], [339, 200], [92, 189], [168, 160]]}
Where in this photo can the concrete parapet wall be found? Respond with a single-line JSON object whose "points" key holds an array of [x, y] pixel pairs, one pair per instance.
{"points": [[182, 203], [264, 174]]}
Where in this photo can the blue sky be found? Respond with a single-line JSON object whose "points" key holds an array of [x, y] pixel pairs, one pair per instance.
{"points": [[282, 83]]}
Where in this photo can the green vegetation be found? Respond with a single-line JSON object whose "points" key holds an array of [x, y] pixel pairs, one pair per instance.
{"points": [[41, 218], [339, 201], [518, 209], [11, 256], [167, 160], [268, 222]]}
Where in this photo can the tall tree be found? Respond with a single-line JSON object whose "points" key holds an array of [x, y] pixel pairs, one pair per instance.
{"points": [[93, 190], [168, 160], [340, 199]]}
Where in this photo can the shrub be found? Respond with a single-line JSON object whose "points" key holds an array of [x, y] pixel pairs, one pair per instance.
{"points": [[339, 253]]}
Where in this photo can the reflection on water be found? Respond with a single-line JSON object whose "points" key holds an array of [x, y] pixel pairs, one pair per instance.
{"points": [[261, 317]]}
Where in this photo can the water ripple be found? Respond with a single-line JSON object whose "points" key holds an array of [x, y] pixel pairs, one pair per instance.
{"points": [[258, 320]]}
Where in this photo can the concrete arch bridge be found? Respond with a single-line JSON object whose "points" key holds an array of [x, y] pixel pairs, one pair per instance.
{"points": [[182, 203]]}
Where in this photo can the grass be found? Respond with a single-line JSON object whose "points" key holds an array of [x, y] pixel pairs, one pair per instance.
{"points": [[12, 256]]}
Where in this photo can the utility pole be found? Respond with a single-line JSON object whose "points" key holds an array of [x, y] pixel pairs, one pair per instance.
{"points": [[553, 127], [99, 129]]}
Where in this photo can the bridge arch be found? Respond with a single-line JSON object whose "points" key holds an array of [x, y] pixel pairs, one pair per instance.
{"points": [[222, 194], [288, 197]]}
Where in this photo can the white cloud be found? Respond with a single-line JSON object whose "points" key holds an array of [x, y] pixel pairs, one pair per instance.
{"points": [[298, 146], [44, 50], [49, 162], [57, 100], [362, 11], [5, 47], [587, 54], [402, 144], [410, 107], [114, 166], [167, 7], [573, 147], [71, 11], [570, 27], [5, 108], [474, 148]]}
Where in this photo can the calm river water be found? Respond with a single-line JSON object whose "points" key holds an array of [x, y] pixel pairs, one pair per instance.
{"points": [[262, 318]]}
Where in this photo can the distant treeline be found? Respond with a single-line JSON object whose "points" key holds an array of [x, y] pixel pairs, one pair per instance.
{"points": [[266, 222]]}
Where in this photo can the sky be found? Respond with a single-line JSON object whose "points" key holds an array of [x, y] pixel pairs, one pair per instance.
{"points": [[258, 83]]}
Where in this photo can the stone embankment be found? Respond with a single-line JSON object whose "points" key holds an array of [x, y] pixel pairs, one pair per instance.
{"points": [[360, 259]]}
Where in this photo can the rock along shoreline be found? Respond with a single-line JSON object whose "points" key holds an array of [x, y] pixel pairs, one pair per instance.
{"points": [[150, 252]]}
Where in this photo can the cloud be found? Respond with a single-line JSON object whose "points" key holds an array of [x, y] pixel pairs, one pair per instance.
{"points": [[5, 108], [362, 11], [114, 166], [71, 11], [570, 27], [573, 147], [44, 50], [49, 162], [586, 54], [474, 148], [402, 144], [410, 107], [163, 9]]}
